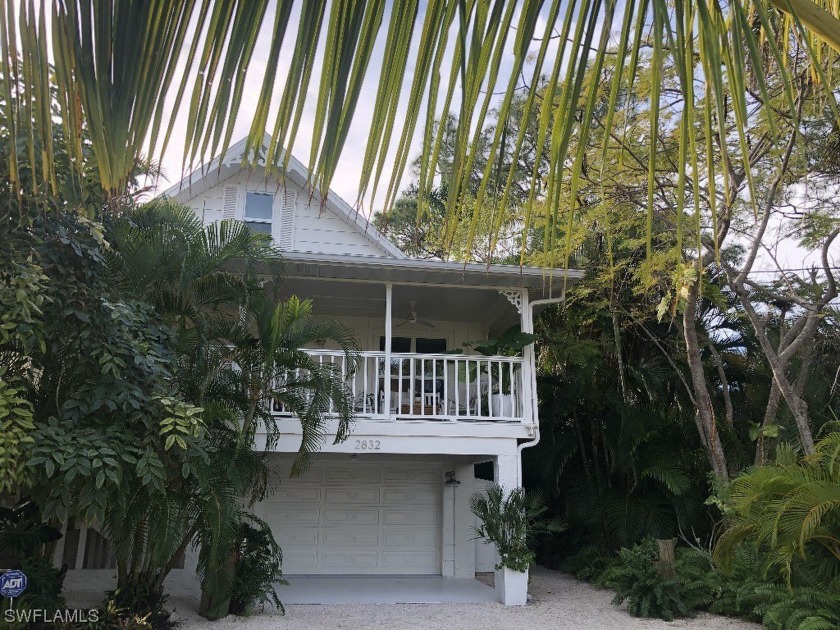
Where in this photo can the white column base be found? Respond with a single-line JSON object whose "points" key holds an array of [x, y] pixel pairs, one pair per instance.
{"points": [[512, 587]]}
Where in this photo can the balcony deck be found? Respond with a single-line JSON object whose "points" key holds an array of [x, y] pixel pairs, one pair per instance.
{"points": [[440, 387]]}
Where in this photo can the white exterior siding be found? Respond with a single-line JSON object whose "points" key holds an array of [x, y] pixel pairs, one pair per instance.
{"points": [[315, 228]]}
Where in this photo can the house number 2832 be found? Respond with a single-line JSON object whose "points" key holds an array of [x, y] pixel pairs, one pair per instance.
{"points": [[367, 445]]}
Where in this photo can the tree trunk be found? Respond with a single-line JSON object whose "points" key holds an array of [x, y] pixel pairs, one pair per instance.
{"points": [[705, 411], [770, 414], [724, 384], [798, 407], [618, 353]]}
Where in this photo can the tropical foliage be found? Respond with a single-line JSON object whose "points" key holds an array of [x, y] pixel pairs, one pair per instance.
{"points": [[140, 361], [636, 580], [258, 569]]}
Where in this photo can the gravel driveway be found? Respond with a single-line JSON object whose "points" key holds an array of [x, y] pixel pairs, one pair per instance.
{"points": [[558, 601]]}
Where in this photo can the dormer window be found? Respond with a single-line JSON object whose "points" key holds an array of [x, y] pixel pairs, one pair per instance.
{"points": [[258, 211]]}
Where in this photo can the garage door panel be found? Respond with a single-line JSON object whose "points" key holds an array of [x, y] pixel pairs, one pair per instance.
{"points": [[349, 560], [284, 496], [412, 496], [410, 517], [348, 516], [293, 539], [352, 475], [403, 538], [313, 474], [292, 515], [422, 562], [413, 476], [356, 495], [344, 539]]}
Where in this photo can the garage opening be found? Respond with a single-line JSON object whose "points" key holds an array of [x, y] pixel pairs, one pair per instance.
{"points": [[359, 519]]}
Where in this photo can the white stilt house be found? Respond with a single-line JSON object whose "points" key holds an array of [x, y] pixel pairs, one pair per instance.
{"points": [[393, 499]]}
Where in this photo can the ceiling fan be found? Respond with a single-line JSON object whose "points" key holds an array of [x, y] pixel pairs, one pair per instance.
{"points": [[414, 320]]}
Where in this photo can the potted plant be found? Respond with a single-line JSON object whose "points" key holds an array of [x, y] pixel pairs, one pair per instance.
{"points": [[509, 344], [507, 519]]}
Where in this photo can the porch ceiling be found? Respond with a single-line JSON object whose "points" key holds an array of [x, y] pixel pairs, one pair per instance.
{"points": [[343, 298]]}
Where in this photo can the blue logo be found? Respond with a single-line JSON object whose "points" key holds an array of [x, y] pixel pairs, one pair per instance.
{"points": [[13, 583]]}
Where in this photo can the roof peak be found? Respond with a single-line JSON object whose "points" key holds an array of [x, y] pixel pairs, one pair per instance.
{"points": [[233, 161]]}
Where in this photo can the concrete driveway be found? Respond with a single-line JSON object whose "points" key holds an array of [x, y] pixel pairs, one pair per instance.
{"points": [[558, 601]]}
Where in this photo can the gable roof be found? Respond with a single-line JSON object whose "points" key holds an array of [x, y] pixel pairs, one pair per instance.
{"points": [[233, 162]]}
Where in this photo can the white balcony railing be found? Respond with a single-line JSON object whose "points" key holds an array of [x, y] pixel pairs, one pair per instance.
{"points": [[430, 386]]}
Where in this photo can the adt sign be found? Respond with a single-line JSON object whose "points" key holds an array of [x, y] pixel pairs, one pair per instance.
{"points": [[13, 583]]}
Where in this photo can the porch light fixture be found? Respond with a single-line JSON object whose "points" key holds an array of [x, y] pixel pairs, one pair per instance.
{"points": [[451, 482]]}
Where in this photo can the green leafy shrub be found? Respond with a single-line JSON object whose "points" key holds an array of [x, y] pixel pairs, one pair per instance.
{"points": [[509, 521], [112, 617], [587, 563], [138, 607], [802, 608], [258, 569], [637, 581]]}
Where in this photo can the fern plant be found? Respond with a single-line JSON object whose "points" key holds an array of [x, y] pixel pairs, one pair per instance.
{"points": [[791, 508], [587, 563], [636, 580]]}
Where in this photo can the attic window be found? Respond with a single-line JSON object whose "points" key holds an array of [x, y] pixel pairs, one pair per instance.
{"points": [[258, 211]]}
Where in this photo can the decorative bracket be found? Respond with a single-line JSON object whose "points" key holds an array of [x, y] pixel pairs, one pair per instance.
{"points": [[238, 158], [514, 297]]}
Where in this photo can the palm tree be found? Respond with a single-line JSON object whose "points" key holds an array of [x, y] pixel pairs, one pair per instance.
{"points": [[239, 352], [218, 287], [115, 71]]}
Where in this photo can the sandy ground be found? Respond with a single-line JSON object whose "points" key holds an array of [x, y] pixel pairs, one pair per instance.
{"points": [[557, 601]]}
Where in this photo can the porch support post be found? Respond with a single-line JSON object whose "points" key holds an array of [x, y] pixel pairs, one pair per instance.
{"points": [[506, 470], [386, 373], [464, 522], [529, 381]]}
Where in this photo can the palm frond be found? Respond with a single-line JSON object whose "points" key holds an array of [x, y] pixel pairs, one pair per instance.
{"points": [[122, 68]]}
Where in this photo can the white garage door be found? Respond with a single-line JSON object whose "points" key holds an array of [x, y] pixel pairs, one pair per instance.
{"points": [[359, 519]]}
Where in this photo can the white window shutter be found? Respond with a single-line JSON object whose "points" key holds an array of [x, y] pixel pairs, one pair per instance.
{"points": [[287, 220], [230, 203]]}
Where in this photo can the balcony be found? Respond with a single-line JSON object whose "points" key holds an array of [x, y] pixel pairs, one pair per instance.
{"points": [[431, 387]]}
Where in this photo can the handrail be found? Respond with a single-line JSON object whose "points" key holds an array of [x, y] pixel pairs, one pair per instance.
{"points": [[431, 386]]}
